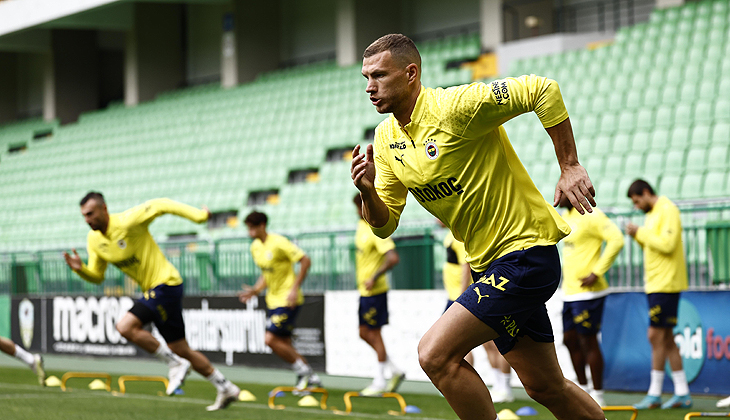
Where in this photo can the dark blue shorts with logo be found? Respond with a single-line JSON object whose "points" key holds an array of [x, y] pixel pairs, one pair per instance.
{"points": [[280, 321], [510, 295], [663, 308], [162, 305], [583, 316], [373, 311]]}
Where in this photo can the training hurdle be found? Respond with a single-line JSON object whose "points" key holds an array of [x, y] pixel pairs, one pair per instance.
{"points": [[634, 411], [698, 414], [272, 396], [68, 375], [402, 402], [136, 378]]}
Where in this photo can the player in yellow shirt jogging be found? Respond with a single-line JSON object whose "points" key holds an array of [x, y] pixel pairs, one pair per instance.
{"points": [[448, 149], [275, 256], [34, 361], [457, 278], [375, 257], [665, 276], [124, 240], [585, 289]]}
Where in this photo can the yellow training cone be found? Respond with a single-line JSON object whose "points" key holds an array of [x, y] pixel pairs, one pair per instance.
{"points": [[53, 381], [245, 395], [507, 414], [308, 401], [97, 384]]}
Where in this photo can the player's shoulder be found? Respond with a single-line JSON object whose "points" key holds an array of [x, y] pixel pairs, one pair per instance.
{"points": [[387, 129]]}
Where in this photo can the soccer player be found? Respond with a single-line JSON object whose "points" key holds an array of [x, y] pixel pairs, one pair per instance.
{"points": [[34, 361], [447, 147], [375, 257], [124, 240], [275, 256], [585, 289], [665, 276], [457, 277]]}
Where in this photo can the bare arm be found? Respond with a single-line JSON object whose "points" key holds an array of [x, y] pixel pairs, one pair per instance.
{"points": [[249, 292], [93, 272], [391, 260], [574, 182]]}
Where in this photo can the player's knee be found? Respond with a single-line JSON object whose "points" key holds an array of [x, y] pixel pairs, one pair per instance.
{"points": [[124, 329], [433, 362], [271, 340], [545, 392], [571, 342]]}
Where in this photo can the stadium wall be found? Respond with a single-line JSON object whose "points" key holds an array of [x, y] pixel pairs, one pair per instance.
{"points": [[204, 32], [4, 316]]}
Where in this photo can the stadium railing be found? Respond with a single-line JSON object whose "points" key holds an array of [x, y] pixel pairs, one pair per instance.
{"points": [[222, 266]]}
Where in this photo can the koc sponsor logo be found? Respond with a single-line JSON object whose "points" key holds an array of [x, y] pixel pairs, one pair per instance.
{"points": [[437, 191]]}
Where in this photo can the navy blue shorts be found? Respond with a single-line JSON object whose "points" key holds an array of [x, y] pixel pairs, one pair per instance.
{"points": [[162, 305], [374, 310], [510, 295], [663, 308], [448, 304], [583, 316], [280, 321]]}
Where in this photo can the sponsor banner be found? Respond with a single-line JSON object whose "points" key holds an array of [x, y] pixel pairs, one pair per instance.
{"points": [[702, 335], [221, 327], [411, 313], [233, 333]]}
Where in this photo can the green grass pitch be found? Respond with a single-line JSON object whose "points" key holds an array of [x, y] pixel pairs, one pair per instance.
{"points": [[21, 398]]}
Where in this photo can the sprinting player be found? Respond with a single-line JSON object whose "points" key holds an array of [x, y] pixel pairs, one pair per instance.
{"points": [[275, 256], [124, 240], [665, 276], [448, 149], [585, 289], [375, 257], [457, 278], [34, 361]]}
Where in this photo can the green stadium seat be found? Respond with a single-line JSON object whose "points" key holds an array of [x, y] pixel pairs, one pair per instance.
{"points": [[700, 136], [664, 116], [696, 161], [635, 162], [717, 157], [675, 162], [614, 165], [654, 163], [645, 119], [652, 97], [603, 144], [641, 141], [721, 133], [669, 185], [608, 123], [621, 143], [679, 136], [633, 100], [702, 112], [670, 94], [605, 192], [724, 88], [714, 184], [594, 165], [691, 186], [722, 110]]}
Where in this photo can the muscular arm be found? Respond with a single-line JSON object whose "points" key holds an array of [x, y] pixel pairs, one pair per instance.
{"points": [[574, 181], [362, 169]]}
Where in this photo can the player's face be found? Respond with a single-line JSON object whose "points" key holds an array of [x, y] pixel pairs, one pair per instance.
{"points": [[256, 232], [642, 202], [387, 82], [95, 214]]}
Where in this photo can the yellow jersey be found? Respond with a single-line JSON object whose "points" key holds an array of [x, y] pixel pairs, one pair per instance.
{"points": [[582, 253], [661, 237], [370, 256], [129, 245], [276, 258], [454, 266], [455, 159]]}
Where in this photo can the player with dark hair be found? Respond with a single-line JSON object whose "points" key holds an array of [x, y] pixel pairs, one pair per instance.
{"points": [[375, 257], [447, 147], [585, 289], [275, 255], [124, 240], [665, 276], [33, 361]]}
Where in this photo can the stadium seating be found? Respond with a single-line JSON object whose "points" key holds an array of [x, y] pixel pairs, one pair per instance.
{"points": [[207, 146]]}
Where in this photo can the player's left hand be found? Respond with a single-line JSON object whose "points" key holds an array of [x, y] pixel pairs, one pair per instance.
{"points": [[631, 229], [205, 208], [588, 281], [575, 184], [369, 284], [291, 300]]}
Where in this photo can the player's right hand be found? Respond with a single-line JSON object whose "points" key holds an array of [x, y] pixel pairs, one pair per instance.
{"points": [[248, 293], [74, 262], [362, 169]]}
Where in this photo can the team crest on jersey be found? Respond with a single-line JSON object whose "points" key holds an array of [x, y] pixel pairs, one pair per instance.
{"points": [[269, 255], [432, 151], [122, 244]]}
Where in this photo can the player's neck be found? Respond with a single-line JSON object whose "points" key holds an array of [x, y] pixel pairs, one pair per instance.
{"points": [[404, 116]]}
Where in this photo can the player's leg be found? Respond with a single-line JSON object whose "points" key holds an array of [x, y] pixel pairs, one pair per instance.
{"points": [[537, 366], [278, 338], [373, 314], [681, 397], [34, 361], [131, 328], [594, 358], [572, 342], [374, 338], [441, 354], [501, 390]]}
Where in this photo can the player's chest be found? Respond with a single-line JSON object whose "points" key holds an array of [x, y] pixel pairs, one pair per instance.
{"points": [[118, 246], [266, 258]]}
